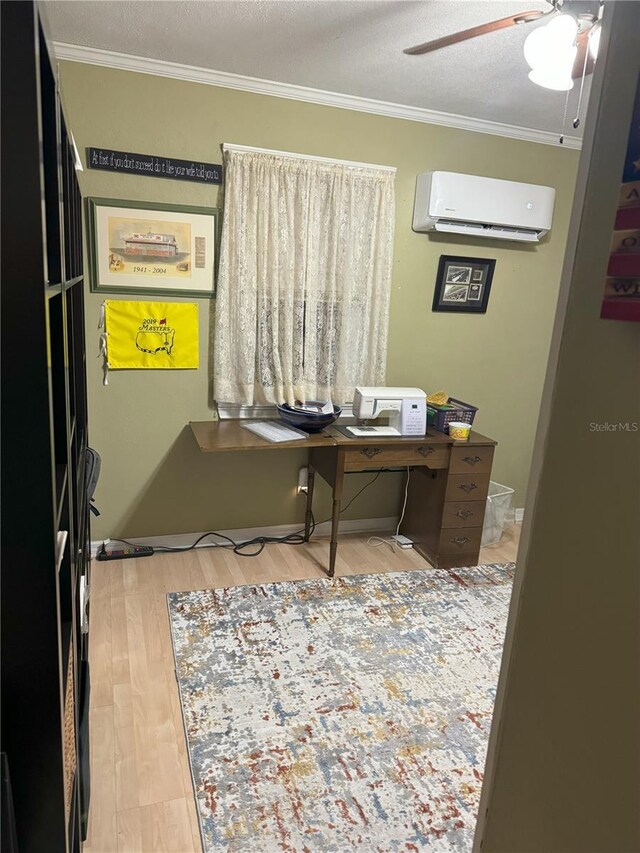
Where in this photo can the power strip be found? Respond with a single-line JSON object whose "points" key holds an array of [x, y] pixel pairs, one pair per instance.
{"points": [[402, 541], [125, 552]]}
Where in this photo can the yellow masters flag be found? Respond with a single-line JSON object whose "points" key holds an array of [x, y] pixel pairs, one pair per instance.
{"points": [[151, 334]]}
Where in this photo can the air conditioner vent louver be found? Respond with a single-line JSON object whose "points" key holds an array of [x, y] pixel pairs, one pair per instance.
{"points": [[477, 229]]}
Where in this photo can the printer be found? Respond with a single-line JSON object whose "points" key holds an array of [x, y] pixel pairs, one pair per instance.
{"points": [[406, 409]]}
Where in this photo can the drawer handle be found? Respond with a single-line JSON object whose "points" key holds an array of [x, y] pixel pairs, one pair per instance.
{"points": [[425, 451], [464, 513], [472, 460], [370, 452], [460, 540], [467, 487]]}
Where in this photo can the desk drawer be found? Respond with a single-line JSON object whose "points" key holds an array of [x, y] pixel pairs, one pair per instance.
{"points": [[379, 456], [467, 487], [463, 514], [477, 460], [454, 541]]}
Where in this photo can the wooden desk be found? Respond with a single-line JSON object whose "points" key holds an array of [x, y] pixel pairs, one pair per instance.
{"points": [[222, 436], [447, 490]]}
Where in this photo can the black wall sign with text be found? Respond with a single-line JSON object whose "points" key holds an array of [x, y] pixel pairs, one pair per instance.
{"points": [[153, 166]]}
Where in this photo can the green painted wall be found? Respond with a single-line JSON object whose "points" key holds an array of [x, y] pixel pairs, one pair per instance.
{"points": [[154, 480], [562, 772]]}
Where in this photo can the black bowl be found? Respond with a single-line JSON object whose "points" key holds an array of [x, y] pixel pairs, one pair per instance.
{"points": [[308, 421]]}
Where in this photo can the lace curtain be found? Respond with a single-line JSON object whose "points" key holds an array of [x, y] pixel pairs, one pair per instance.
{"points": [[302, 303]]}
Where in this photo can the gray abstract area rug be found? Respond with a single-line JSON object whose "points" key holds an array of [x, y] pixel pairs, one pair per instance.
{"points": [[324, 716]]}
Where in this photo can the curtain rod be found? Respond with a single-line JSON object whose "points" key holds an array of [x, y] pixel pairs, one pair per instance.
{"points": [[228, 146]]}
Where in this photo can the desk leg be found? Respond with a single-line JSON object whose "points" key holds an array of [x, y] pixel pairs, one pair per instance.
{"points": [[333, 545], [328, 462], [308, 517]]}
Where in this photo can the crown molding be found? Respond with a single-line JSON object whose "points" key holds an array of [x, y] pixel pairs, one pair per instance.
{"points": [[193, 74]]}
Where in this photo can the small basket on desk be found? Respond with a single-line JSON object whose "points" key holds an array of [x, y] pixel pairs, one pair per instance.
{"points": [[440, 418]]}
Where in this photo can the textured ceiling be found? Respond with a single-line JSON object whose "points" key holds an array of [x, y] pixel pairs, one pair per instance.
{"points": [[341, 46]]}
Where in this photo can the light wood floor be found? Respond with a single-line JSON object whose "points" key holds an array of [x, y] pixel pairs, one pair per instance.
{"points": [[141, 792]]}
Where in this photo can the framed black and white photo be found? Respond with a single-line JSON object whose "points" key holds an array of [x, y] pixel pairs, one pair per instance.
{"points": [[463, 284], [457, 274]]}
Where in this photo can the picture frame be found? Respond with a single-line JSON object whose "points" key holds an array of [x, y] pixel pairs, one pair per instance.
{"points": [[151, 248], [463, 284]]}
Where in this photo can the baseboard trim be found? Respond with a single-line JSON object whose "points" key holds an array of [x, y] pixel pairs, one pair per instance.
{"points": [[244, 534], [519, 514]]}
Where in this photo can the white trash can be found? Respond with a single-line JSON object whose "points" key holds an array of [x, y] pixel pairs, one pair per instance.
{"points": [[496, 513]]}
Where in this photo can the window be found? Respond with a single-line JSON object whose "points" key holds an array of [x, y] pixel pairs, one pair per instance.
{"points": [[302, 302]]}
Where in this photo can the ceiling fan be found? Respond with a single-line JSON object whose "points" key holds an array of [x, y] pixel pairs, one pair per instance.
{"points": [[562, 51]]}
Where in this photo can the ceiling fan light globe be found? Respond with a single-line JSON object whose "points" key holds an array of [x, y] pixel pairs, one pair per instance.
{"points": [[551, 43], [535, 47], [557, 79], [562, 29]]}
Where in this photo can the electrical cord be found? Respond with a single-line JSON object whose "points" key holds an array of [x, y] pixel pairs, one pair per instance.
{"points": [[376, 541], [258, 542], [358, 493], [404, 505]]}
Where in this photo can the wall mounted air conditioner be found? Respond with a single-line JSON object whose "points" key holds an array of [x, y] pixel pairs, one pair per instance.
{"points": [[482, 207]]}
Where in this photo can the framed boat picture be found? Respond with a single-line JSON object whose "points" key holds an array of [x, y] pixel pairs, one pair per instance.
{"points": [[151, 248], [463, 284]]}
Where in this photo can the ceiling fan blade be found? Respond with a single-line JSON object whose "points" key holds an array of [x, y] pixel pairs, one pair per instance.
{"points": [[473, 32], [582, 43]]}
